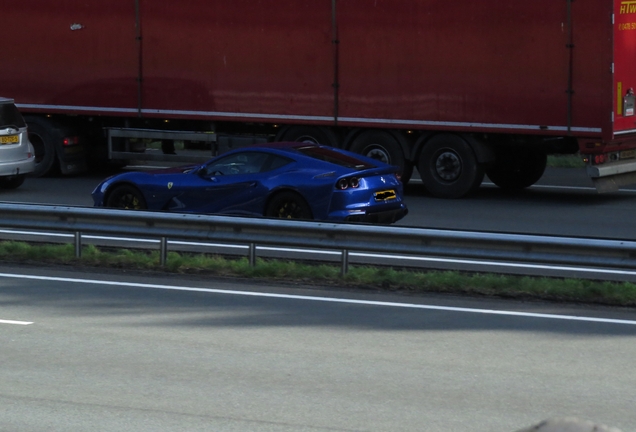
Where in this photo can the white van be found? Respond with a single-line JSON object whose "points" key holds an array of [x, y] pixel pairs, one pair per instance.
{"points": [[17, 157]]}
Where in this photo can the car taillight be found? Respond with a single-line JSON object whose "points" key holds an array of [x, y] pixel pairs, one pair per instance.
{"points": [[599, 159], [70, 141], [344, 183]]}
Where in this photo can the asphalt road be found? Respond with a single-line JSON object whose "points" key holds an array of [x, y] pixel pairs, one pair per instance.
{"points": [[562, 203], [108, 352]]}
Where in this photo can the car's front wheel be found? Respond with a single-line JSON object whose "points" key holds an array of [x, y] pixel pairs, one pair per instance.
{"points": [[288, 205], [126, 197]]}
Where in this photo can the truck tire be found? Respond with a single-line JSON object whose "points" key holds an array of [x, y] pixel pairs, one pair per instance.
{"points": [[43, 135], [383, 146], [517, 168], [309, 134], [448, 167]]}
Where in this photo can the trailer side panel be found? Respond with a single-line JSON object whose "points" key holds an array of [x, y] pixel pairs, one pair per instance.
{"points": [[496, 65], [72, 56], [237, 58]]}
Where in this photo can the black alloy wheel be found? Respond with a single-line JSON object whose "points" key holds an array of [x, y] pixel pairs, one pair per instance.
{"points": [[126, 197], [288, 205]]}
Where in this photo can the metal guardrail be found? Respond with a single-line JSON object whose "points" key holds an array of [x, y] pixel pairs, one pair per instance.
{"points": [[319, 235]]}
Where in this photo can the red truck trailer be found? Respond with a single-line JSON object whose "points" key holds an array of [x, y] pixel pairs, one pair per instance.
{"points": [[456, 89]]}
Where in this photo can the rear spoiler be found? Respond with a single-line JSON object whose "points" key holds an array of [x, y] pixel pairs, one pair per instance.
{"points": [[391, 169]]}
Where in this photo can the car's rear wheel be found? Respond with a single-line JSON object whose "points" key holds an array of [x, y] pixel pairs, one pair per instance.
{"points": [[288, 205], [12, 182], [126, 197]]}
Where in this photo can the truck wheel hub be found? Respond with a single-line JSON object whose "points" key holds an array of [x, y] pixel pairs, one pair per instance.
{"points": [[379, 154], [448, 166], [307, 139]]}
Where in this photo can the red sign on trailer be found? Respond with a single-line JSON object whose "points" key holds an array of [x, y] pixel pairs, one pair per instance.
{"points": [[624, 66]]}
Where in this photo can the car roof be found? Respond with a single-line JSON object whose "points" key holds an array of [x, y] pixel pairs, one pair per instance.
{"points": [[286, 145], [4, 100], [289, 146], [330, 155]]}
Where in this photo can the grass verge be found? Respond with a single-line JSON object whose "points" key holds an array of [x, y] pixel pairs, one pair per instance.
{"points": [[566, 161], [368, 277]]}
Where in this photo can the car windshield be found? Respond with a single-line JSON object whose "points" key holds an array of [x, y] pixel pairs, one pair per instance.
{"points": [[334, 157], [10, 116]]}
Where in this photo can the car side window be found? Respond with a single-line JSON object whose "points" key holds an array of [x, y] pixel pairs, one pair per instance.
{"points": [[238, 163], [275, 162]]}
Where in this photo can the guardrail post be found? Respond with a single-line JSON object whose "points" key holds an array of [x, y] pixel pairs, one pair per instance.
{"points": [[252, 254], [78, 244], [163, 253], [345, 262]]}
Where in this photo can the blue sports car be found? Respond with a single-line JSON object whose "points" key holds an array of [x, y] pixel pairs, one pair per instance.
{"points": [[279, 180]]}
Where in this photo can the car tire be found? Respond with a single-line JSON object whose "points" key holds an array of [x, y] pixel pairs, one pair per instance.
{"points": [[12, 182], [126, 197], [288, 205]]}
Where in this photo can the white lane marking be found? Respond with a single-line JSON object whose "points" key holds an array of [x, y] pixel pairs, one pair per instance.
{"points": [[583, 188], [538, 186], [15, 322], [586, 188], [323, 299], [541, 186]]}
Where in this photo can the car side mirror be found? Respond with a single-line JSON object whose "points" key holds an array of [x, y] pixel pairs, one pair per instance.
{"points": [[203, 173]]}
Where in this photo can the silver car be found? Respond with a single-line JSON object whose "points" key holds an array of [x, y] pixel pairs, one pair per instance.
{"points": [[17, 158]]}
